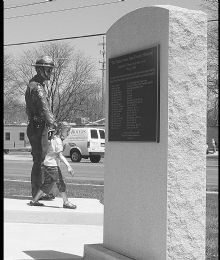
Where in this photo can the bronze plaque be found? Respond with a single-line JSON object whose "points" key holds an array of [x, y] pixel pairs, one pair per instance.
{"points": [[134, 96]]}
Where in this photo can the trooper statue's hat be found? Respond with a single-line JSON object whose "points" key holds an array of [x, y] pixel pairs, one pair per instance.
{"points": [[44, 61]]}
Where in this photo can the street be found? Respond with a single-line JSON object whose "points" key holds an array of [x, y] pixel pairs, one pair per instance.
{"points": [[212, 172], [18, 167]]}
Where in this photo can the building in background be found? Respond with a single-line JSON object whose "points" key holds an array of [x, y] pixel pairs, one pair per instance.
{"points": [[15, 136]]}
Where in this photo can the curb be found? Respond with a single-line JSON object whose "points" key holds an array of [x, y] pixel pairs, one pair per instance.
{"points": [[212, 156], [212, 192], [23, 149]]}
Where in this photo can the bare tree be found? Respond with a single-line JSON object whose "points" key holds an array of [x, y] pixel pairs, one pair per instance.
{"points": [[9, 76], [93, 107], [212, 110], [13, 108], [72, 82], [14, 111]]}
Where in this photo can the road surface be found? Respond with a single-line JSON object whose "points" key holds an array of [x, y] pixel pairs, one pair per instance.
{"points": [[18, 166]]}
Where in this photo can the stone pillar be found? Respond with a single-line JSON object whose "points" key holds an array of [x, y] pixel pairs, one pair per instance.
{"points": [[155, 193]]}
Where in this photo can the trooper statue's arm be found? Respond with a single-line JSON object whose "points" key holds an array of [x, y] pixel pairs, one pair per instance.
{"points": [[44, 108]]}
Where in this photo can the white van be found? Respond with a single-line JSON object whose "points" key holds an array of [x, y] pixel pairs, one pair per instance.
{"points": [[85, 143]]}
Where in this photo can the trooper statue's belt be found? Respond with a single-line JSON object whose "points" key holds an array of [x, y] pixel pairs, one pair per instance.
{"points": [[37, 122]]}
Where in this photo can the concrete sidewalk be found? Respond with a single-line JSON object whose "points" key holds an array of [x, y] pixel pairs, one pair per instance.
{"points": [[51, 232]]}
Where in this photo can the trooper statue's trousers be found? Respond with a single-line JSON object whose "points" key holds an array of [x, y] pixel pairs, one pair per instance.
{"points": [[38, 137]]}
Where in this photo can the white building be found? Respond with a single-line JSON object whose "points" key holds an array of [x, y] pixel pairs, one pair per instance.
{"points": [[15, 136]]}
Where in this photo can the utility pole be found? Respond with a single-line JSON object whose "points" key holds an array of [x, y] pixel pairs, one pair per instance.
{"points": [[102, 52]]}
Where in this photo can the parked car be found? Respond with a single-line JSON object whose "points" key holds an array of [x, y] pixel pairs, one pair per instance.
{"points": [[88, 143]]}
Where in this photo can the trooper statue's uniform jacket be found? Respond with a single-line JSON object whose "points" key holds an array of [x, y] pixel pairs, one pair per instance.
{"points": [[40, 120], [37, 105]]}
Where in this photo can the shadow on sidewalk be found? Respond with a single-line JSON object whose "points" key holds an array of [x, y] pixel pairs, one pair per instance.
{"points": [[50, 254], [46, 206], [20, 197]]}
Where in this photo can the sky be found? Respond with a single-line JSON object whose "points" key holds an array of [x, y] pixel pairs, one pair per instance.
{"points": [[96, 18]]}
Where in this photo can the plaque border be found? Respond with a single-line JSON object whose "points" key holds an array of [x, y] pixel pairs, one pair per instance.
{"points": [[157, 135]]}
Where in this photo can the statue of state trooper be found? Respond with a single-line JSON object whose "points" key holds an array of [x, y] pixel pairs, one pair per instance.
{"points": [[40, 118]]}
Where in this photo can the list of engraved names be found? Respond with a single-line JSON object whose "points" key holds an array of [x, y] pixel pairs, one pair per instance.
{"points": [[133, 96]]}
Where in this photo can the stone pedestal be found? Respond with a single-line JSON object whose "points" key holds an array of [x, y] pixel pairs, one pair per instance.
{"points": [[155, 193]]}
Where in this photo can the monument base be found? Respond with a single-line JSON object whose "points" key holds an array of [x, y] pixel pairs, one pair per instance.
{"points": [[99, 252]]}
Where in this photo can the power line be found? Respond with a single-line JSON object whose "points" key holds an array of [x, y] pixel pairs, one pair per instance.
{"points": [[58, 39], [63, 10], [18, 6]]}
